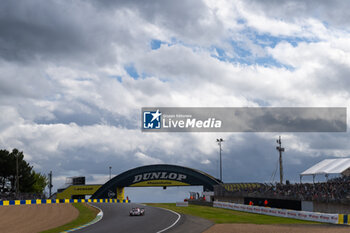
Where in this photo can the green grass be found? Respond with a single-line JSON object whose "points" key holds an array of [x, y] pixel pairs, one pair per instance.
{"points": [[86, 214], [218, 215]]}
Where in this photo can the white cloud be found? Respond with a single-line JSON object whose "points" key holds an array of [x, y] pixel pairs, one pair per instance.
{"points": [[146, 160], [264, 24], [206, 161]]}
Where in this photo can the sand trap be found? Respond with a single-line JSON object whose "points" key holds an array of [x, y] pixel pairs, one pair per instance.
{"points": [[254, 228], [35, 218]]}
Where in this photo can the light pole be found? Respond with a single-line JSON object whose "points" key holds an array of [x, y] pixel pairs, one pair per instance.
{"points": [[280, 150], [50, 183], [219, 141], [110, 172]]}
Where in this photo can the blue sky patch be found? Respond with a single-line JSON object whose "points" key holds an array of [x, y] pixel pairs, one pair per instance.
{"points": [[271, 62], [240, 50], [117, 77], [241, 21], [249, 59], [243, 54], [266, 40], [155, 44], [131, 70]]}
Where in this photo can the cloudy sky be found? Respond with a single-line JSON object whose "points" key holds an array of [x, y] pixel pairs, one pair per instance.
{"points": [[75, 74]]}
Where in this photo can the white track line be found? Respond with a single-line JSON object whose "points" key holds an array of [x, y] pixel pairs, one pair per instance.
{"points": [[99, 216], [179, 216], [99, 213]]}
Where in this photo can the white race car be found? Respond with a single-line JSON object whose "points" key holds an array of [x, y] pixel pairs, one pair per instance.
{"points": [[137, 212]]}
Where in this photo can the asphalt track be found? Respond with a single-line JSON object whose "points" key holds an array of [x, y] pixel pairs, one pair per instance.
{"points": [[116, 219]]}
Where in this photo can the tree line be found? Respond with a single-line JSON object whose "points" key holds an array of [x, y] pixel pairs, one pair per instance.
{"points": [[29, 180]]}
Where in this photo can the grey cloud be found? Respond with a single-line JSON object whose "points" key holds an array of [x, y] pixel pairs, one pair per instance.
{"points": [[333, 76], [185, 19], [329, 142], [85, 114], [22, 81], [87, 32], [59, 31], [31, 29], [331, 12], [254, 159], [184, 11]]}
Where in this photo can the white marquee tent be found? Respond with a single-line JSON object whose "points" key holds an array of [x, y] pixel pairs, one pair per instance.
{"points": [[327, 167]]}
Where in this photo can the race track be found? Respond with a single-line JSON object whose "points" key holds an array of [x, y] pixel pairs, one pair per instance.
{"points": [[116, 219]]}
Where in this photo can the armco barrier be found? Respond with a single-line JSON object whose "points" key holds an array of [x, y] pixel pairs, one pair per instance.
{"points": [[52, 201], [302, 215]]}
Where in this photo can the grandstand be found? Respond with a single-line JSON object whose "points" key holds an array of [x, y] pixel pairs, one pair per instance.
{"points": [[330, 196]]}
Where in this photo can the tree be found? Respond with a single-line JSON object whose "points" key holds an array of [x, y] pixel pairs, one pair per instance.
{"points": [[29, 180], [4, 169], [41, 181], [7, 170], [26, 176]]}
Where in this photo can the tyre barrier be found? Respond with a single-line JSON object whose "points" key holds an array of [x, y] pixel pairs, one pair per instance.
{"points": [[54, 201], [302, 215]]}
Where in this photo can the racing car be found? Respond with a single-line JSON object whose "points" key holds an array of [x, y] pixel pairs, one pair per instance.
{"points": [[137, 212]]}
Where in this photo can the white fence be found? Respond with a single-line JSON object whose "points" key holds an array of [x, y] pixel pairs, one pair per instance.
{"points": [[302, 215]]}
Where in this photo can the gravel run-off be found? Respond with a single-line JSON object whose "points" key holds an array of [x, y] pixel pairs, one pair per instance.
{"points": [[35, 218]]}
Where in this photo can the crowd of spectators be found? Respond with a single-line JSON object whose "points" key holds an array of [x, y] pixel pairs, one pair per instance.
{"points": [[333, 190]]}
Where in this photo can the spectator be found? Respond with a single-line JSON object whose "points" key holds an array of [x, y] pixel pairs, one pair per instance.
{"points": [[336, 189], [266, 203]]}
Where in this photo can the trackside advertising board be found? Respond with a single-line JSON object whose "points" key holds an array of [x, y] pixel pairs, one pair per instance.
{"points": [[302, 215]]}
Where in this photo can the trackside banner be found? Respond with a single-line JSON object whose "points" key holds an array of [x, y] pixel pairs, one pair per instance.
{"points": [[302, 215], [166, 119]]}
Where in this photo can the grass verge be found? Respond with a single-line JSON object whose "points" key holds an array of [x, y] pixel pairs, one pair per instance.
{"points": [[86, 214], [218, 215]]}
